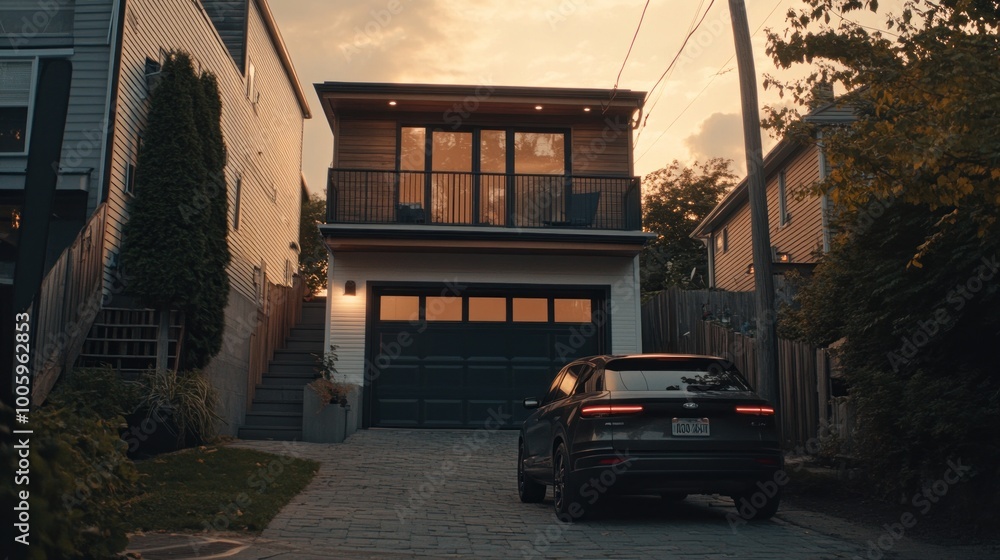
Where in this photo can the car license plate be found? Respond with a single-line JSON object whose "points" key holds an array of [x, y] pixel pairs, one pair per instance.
{"points": [[690, 427]]}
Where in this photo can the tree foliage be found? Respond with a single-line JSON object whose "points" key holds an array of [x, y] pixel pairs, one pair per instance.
{"points": [[175, 243], [675, 200], [910, 286], [313, 255], [926, 91]]}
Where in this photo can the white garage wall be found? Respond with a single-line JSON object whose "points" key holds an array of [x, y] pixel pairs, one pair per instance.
{"points": [[346, 326]]}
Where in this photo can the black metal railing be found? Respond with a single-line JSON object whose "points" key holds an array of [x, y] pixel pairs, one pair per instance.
{"points": [[483, 199]]}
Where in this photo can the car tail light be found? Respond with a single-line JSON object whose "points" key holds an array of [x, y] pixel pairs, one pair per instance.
{"points": [[758, 410], [610, 409], [612, 461]]}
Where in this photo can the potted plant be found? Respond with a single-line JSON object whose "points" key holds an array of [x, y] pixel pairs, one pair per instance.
{"points": [[327, 404]]}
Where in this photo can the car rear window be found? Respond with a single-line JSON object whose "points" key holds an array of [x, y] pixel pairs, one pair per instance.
{"points": [[672, 375]]}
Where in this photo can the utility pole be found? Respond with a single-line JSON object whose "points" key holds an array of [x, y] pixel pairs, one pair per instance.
{"points": [[768, 383]]}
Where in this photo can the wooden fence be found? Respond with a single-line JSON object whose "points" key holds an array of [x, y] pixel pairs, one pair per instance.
{"points": [[281, 311], [69, 299], [673, 322]]}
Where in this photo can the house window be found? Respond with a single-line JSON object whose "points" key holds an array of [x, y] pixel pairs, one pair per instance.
{"points": [[488, 309], [540, 153], [236, 203], [531, 310], [251, 92], [443, 308], [722, 240], [25, 20], [783, 216], [399, 308], [16, 80], [572, 310]]}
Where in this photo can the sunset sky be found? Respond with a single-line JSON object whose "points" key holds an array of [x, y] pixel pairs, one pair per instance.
{"points": [[694, 114]]}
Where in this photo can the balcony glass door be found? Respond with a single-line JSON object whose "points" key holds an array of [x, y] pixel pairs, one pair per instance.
{"points": [[451, 177], [493, 178]]}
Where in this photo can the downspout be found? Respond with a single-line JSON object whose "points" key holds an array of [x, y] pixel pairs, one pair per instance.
{"points": [[824, 201]]}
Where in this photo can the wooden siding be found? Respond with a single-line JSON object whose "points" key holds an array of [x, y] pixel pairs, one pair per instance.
{"points": [[346, 325], [366, 144], [801, 237], [602, 148], [264, 140], [598, 147]]}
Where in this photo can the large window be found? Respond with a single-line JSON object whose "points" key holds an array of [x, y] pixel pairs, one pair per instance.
{"points": [[540, 153], [16, 78]]}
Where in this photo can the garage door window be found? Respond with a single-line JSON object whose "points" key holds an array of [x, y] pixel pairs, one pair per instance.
{"points": [[399, 308], [531, 310], [488, 309], [572, 310], [448, 308]]}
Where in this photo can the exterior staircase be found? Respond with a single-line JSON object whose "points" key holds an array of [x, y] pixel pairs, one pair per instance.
{"points": [[276, 411]]}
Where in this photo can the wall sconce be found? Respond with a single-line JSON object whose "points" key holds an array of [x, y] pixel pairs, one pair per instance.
{"points": [[782, 257], [350, 288], [750, 269]]}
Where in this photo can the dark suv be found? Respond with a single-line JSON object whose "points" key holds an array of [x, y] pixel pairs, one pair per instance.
{"points": [[662, 424]]}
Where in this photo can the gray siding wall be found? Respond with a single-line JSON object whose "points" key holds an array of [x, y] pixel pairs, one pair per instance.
{"points": [[86, 121]]}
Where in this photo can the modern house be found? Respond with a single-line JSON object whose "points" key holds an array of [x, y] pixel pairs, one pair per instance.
{"points": [[116, 49], [480, 238], [797, 219]]}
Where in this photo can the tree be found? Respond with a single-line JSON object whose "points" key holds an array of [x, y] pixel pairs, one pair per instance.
{"points": [[909, 285], [175, 249], [675, 200], [205, 320], [926, 91], [313, 257]]}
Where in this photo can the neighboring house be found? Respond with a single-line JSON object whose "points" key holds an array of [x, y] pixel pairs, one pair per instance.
{"points": [[480, 238], [116, 48], [797, 218]]}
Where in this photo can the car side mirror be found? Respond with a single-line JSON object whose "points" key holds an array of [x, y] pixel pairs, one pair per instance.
{"points": [[530, 402]]}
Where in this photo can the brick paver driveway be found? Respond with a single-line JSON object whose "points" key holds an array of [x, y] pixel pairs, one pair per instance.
{"points": [[406, 493]]}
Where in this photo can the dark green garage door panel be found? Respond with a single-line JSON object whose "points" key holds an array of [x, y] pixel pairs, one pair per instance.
{"points": [[462, 375]]}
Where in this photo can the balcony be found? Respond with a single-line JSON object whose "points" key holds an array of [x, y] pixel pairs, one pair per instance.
{"points": [[494, 200]]}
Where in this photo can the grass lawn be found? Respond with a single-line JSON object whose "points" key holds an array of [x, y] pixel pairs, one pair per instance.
{"points": [[215, 488]]}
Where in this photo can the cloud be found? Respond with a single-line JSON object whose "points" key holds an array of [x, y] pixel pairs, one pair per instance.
{"points": [[720, 135]]}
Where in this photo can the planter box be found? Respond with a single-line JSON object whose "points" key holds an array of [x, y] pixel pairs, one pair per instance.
{"points": [[329, 423]]}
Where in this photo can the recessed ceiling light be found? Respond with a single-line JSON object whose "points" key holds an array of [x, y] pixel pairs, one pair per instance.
{"points": [[586, 109], [538, 107], [392, 103]]}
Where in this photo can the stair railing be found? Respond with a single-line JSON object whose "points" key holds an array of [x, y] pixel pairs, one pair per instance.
{"points": [[281, 311]]}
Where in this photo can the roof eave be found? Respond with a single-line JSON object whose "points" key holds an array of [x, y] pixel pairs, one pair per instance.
{"points": [[286, 61]]}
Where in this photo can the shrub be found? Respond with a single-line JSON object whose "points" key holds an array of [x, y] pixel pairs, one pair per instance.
{"points": [[186, 399], [100, 392], [79, 481]]}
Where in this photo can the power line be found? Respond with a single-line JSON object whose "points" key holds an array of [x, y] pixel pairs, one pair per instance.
{"points": [[688, 106], [622, 69], [680, 50]]}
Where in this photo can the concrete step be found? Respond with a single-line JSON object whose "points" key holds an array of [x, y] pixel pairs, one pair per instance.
{"points": [[288, 392], [273, 419], [313, 316], [285, 407], [292, 367], [293, 356], [302, 345], [291, 379], [306, 333], [277, 433]]}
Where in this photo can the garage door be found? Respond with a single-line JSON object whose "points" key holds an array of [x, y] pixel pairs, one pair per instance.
{"points": [[458, 360]]}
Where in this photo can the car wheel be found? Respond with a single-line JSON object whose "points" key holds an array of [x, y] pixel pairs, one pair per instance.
{"points": [[528, 490], [565, 493], [673, 496], [757, 506]]}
